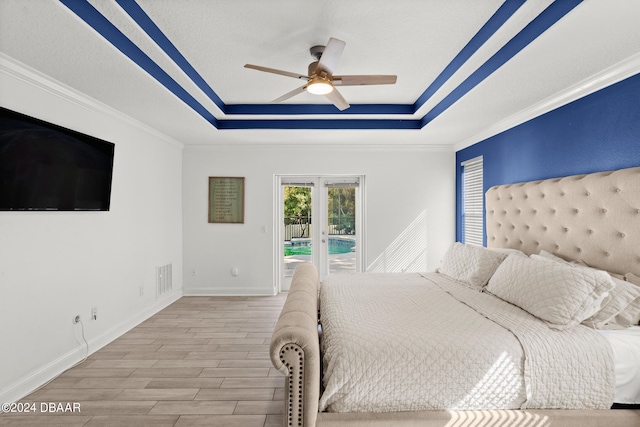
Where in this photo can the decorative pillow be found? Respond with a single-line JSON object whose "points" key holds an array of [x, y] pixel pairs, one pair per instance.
{"points": [[550, 256], [544, 255], [630, 277], [507, 251], [619, 298], [577, 263], [470, 264], [630, 316], [560, 295]]}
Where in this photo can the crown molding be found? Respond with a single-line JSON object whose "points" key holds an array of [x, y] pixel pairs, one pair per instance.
{"points": [[17, 70], [607, 77], [320, 146]]}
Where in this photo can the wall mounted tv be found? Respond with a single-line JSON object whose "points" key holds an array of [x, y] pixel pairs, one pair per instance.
{"points": [[45, 167]]}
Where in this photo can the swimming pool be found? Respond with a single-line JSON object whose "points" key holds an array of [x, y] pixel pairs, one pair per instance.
{"points": [[336, 246]]}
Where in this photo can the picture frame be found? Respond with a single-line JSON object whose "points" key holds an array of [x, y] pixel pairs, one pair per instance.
{"points": [[226, 200]]}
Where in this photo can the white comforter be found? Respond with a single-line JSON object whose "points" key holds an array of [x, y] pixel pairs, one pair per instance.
{"points": [[406, 342]]}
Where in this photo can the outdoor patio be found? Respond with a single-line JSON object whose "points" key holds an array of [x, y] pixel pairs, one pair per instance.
{"points": [[338, 263]]}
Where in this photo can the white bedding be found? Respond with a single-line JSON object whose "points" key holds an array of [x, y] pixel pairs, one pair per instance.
{"points": [[626, 350], [419, 348]]}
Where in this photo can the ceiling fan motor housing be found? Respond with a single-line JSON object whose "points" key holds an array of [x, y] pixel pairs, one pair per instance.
{"points": [[316, 52], [311, 70]]}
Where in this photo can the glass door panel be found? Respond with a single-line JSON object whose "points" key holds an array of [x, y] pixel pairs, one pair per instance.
{"points": [[319, 220], [297, 227], [341, 228]]}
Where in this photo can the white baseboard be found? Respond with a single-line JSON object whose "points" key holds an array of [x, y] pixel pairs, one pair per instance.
{"points": [[231, 291], [30, 383]]}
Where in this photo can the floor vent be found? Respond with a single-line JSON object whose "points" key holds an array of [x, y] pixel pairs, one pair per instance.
{"points": [[163, 280]]}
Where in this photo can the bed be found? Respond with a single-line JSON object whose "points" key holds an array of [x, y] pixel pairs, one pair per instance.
{"points": [[559, 357]]}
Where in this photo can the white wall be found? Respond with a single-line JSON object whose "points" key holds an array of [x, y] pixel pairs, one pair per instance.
{"points": [[54, 265], [407, 189]]}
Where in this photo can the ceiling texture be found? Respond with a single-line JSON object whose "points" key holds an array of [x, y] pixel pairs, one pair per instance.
{"points": [[466, 69]]}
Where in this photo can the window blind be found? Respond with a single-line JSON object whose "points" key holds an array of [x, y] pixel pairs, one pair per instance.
{"points": [[472, 200], [297, 184], [342, 183]]}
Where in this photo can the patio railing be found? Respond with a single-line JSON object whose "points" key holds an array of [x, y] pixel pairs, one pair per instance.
{"points": [[301, 228]]}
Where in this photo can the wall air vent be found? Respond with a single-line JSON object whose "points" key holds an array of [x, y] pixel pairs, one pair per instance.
{"points": [[163, 280]]}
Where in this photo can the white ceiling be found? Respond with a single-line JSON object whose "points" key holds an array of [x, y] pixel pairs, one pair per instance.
{"points": [[541, 54]]}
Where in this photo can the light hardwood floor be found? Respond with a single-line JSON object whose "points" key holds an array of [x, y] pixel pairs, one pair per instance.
{"points": [[200, 361]]}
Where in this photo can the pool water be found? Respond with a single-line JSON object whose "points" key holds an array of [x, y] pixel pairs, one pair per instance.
{"points": [[305, 249]]}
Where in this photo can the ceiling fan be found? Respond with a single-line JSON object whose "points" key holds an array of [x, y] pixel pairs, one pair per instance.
{"points": [[320, 78]]}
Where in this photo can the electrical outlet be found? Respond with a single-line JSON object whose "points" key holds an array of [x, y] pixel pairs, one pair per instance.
{"points": [[94, 313], [76, 319]]}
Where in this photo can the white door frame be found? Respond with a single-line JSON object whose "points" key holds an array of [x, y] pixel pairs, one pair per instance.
{"points": [[319, 223]]}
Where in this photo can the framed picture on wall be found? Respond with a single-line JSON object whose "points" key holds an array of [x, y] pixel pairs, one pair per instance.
{"points": [[226, 200]]}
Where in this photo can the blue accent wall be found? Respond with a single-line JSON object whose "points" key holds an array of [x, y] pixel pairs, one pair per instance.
{"points": [[596, 133]]}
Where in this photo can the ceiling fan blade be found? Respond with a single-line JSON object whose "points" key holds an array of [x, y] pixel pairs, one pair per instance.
{"points": [[364, 80], [337, 99], [331, 55], [275, 71], [290, 94]]}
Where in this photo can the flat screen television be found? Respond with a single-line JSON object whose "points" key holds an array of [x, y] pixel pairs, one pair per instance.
{"points": [[45, 167]]}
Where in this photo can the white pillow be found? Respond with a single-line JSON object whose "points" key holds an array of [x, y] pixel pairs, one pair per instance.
{"points": [[550, 256], [620, 301], [507, 251], [628, 317], [575, 263], [470, 264], [544, 255], [630, 277], [560, 295]]}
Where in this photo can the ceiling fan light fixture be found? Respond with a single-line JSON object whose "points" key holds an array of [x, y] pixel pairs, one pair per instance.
{"points": [[320, 77], [319, 87]]}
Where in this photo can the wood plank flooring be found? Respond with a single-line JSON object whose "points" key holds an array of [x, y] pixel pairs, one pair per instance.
{"points": [[200, 361]]}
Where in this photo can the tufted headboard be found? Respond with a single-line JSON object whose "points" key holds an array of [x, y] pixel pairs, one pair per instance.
{"points": [[594, 218]]}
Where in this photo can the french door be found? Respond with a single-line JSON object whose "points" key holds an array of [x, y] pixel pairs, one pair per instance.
{"points": [[319, 219]]}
